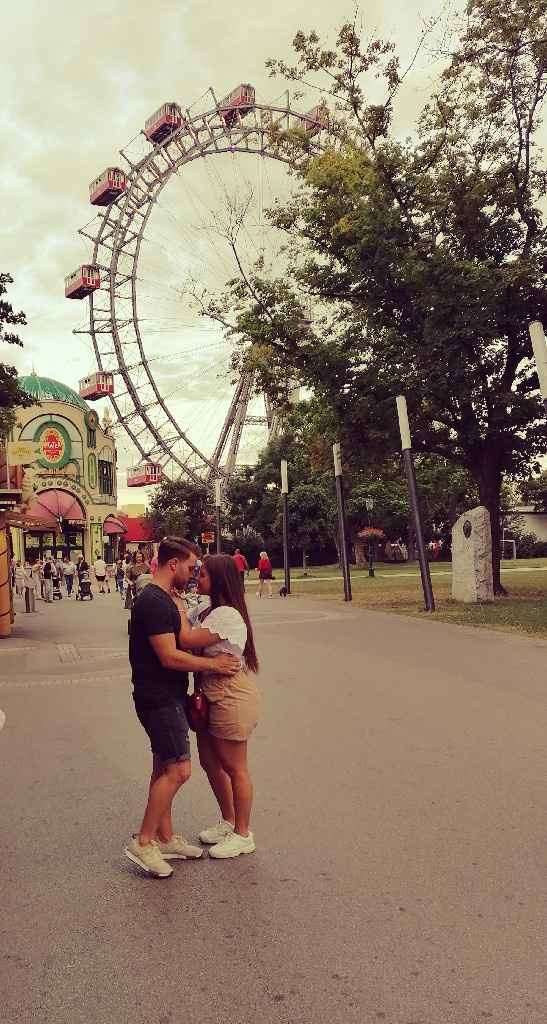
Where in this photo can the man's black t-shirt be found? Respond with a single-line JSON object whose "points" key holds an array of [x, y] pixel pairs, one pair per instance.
{"points": [[154, 613]]}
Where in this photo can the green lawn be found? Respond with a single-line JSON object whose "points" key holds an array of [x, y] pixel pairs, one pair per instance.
{"points": [[397, 588]]}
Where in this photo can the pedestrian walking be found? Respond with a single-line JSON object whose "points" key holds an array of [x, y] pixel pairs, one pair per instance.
{"points": [[31, 582], [242, 565], [47, 575], [265, 573], [19, 575], [119, 576], [99, 568], [225, 627], [69, 570], [160, 683]]}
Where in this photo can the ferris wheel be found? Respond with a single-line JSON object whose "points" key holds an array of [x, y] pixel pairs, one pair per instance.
{"points": [[181, 407]]}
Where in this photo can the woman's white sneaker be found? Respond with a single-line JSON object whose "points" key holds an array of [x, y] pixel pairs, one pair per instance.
{"points": [[213, 835], [148, 858], [232, 846]]}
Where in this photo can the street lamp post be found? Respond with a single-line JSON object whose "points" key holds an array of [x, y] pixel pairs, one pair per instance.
{"points": [[406, 445], [342, 525], [285, 501], [218, 503], [540, 355], [369, 505]]}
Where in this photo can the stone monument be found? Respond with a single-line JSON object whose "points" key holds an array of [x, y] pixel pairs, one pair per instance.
{"points": [[472, 557]]}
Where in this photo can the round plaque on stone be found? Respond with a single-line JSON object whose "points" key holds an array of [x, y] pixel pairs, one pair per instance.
{"points": [[467, 528]]}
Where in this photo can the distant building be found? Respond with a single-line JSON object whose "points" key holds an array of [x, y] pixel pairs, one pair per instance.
{"points": [[71, 487], [138, 531], [531, 521]]}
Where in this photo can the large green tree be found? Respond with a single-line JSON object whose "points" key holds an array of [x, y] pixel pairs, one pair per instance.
{"points": [[425, 258], [181, 508], [12, 396]]}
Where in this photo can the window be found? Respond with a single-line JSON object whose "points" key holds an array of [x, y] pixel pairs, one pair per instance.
{"points": [[91, 438], [106, 477]]}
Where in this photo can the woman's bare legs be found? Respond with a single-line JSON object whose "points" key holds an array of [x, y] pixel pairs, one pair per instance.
{"points": [[219, 780], [232, 755]]}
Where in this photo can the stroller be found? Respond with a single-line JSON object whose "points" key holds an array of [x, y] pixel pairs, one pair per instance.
{"points": [[84, 587], [57, 595]]}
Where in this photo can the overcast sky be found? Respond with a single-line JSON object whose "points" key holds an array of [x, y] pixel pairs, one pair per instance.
{"points": [[77, 83]]}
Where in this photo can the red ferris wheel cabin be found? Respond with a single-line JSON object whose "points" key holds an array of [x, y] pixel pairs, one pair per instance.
{"points": [[145, 475], [82, 282], [239, 102], [107, 187], [96, 385], [164, 122]]}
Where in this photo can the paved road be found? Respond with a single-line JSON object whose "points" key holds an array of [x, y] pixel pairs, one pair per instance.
{"points": [[400, 819]]}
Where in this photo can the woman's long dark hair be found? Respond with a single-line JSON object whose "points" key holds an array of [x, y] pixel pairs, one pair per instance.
{"points": [[227, 589]]}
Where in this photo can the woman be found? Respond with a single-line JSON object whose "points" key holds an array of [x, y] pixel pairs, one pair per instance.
{"points": [[264, 573], [19, 579], [137, 568], [225, 627]]}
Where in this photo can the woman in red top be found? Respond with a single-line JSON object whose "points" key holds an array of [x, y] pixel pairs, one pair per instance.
{"points": [[264, 573]]}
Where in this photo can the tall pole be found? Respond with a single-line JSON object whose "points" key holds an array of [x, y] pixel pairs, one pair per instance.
{"points": [[408, 459], [342, 525], [539, 346], [218, 502], [285, 500]]}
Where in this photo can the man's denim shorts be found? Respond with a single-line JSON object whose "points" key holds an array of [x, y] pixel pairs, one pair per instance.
{"points": [[167, 730]]}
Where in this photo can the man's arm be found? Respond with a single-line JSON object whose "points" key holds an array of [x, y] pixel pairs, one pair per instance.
{"points": [[170, 657]]}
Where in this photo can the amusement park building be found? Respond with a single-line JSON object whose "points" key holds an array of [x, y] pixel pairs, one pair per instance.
{"points": [[70, 489]]}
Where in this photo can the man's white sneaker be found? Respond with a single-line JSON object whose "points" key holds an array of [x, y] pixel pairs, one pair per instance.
{"points": [[178, 848], [148, 858], [213, 835], [232, 846]]}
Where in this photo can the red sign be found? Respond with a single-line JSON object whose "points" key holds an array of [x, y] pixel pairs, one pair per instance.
{"points": [[52, 445], [207, 538]]}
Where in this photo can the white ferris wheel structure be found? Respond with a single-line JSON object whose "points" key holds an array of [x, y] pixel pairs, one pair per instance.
{"points": [[128, 319]]}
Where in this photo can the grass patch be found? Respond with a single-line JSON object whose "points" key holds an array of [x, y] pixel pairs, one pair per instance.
{"points": [[397, 588]]}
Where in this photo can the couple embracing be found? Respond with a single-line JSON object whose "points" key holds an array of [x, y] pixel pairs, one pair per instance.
{"points": [[216, 644]]}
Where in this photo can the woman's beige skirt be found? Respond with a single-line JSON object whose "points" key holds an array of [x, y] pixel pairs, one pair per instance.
{"points": [[233, 705]]}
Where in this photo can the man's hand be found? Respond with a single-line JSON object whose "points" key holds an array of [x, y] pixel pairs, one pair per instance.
{"points": [[225, 664], [180, 602]]}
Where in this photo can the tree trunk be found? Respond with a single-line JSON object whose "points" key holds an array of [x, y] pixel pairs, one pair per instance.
{"points": [[490, 480], [360, 555]]}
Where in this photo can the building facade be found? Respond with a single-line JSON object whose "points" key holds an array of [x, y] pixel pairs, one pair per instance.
{"points": [[70, 489]]}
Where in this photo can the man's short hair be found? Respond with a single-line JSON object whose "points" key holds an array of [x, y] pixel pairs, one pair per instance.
{"points": [[176, 547]]}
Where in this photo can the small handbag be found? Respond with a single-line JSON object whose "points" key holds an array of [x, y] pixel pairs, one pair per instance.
{"points": [[197, 710]]}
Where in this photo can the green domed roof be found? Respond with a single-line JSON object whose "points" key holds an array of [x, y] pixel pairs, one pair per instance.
{"points": [[44, 389]]}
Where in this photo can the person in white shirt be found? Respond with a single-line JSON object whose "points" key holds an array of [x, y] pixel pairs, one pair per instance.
{"points": [[69, 570], [225, 628], [99, 568], [19, 579], [31, 580]]}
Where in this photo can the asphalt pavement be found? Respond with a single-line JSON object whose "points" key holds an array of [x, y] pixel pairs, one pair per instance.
{"points": [[400, 770]]}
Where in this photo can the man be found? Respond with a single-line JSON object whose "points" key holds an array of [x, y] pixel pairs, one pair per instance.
{"points": [[69, 570], [160, 682], [242, 564], [48, 580], [99, 568]]}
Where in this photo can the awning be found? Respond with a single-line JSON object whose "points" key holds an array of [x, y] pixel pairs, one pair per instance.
{"points": [[53, 506], [113, 525]]}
